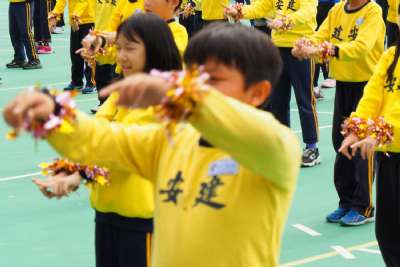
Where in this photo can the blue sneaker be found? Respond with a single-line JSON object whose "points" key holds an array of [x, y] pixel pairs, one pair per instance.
{"points": [[72, 87], [353, 218], [89, 89], [335, 216]]}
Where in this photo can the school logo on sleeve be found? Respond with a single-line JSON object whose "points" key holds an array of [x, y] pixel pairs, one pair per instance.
{"points": [[359, 21], [223, 167]]}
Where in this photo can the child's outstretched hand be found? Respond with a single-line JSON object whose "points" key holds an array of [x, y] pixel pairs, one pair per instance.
{"points": [[367, 147], [231, 11], [139, 91], [31, 105], [347, 143], [58, 186]]}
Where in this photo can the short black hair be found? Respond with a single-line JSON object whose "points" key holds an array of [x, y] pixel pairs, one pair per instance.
{"points": [[249, 50], [161, 50]]}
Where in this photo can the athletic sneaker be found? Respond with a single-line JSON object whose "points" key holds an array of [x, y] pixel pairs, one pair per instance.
{"points": [[44, 49], [328, 83], [335, 216], [32, 65], [58, 30], [89, 89], [318, 93], [95, 109], [71, 87], [310, 157], [353, 218], [15, 64]]}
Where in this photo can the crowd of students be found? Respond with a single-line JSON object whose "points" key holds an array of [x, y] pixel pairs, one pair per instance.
{"points": [[200, 152]]}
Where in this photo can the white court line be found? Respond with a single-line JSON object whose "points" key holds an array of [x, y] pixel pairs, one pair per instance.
{"points": [[321, 127], [78, 101], [319, 112], [26, 86], [367, 250], [5, 179], [343, 252], [306, 229]]}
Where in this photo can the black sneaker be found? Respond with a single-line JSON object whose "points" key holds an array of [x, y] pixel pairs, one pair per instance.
{"points": [[15, 64], [310, 157], [95, 109], [73, 87], [32, 65]]}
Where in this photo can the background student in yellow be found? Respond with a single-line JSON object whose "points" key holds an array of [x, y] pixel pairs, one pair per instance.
{"points": [[381, 98], [218, 189], [20, 29], [192, 21], [357, 31], [292, 19], [392, 30], [104, 73], [124, 209], [213, 10], [81, 18]]}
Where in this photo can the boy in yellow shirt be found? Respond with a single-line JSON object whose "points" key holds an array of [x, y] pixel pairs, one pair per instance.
{"points": [[355, 33], [81, 18], [292, 19], [219, 190]]}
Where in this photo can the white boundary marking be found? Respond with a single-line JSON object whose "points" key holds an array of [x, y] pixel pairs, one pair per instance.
{"points": [[5, 179], [343, 252], [26, 86], [371, 251], [306, 229]]}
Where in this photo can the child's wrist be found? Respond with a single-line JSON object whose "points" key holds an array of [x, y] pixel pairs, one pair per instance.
{"points": [[62, 116], [89, 174], [186, 91], [377, 129]]}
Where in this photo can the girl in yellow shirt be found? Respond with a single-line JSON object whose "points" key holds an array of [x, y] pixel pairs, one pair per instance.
{"points": [[382, 98], [124, 209]]}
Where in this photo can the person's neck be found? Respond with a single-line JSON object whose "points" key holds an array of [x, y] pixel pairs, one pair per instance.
{"points": [[354, 4], [172, 18]]}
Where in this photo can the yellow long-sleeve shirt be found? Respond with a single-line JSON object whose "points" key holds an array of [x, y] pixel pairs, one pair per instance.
{"points": [[302, 13], [128, 194], [213, 9], [210, 202], [392, 11], [81, 8], [359, 35], [123, 11], [17, 1], [102, 13], [380, 95]]}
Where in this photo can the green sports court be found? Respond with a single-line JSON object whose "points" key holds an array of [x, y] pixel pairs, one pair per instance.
{"points": [[37, 232]]}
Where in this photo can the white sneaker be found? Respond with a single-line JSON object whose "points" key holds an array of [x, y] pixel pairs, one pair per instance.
{"points": [[58, 30], [328, 83]]}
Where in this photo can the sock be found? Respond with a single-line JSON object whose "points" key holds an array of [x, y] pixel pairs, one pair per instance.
{"points": [[314, 145]]}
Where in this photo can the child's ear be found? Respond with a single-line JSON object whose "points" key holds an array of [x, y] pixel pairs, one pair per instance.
{"points": [[175, 4], [259, 93]]}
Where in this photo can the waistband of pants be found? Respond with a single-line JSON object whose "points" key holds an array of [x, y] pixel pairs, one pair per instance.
{"points": [[136, 224]]}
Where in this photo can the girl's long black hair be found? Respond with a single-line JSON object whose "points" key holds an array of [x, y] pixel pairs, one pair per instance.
{"points": [[161, 50]]}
